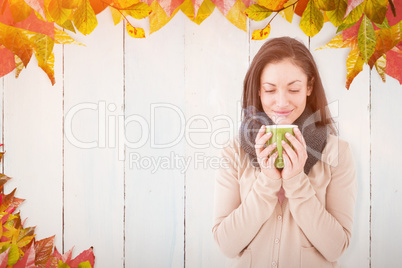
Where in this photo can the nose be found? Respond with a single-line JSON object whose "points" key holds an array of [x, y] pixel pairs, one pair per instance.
{"points": [[282, 99]]}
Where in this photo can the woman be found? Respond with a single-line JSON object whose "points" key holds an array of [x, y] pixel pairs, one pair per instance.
{"points": [[301, 215]]}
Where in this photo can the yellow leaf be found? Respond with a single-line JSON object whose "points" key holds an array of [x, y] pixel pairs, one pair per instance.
{"points": [[70, 4], [326, 5], [273, 5], [354, 15], [237, 16], [312, 19], [289, 10], [158, 17], [25, 241], [18, 41], [18, 68], [56, 12], [84, 18], [135, 32], [116, 14], [139, 10], [336, 42], [68, 25], [188, 9], [354, 64], [48, 67], [336, 16], [19, 10], [375, 10], [380, 65], [257, 12], [205, 10], [261, 34], [366, 39]]}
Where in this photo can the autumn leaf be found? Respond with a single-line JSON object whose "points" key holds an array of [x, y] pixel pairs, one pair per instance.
{"points": [[301, 6], [312, 20], [19, 10], [366, 39], [13, 254], [336, 16], [158, 17], [61, 37], [139, 10], [394, 64], [56, 12], [68, 25], [4, 258], [224, 6], [28, 261], [288, 10], [261, 34], [37, 5], [354, 64], [386, 40], [98, 5], [116, 15], [336, 42], [43, 249], [351, 19], [85, 264], [170, 6], [237, 16], [84, 18], [257, 12], [326, 5], [380, 65], [205, 10], [352, 4], [87, 255], [135, 32], [375, 10], [7, 199], [272, 5], [70, 4], [7, 64]]}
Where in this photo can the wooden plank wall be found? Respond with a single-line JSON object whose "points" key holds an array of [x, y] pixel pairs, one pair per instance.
{"points": [[121, 153]]}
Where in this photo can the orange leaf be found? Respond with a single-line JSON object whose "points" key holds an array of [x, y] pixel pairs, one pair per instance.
{"points": [[19, 9], [70, 4], [301, 6], [261, 34], [7, 62], [37, 5], [135, 31], [98, 5], [354, 64]]}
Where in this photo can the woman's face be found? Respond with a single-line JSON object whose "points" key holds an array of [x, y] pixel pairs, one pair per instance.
{"points": [[283, 92]]}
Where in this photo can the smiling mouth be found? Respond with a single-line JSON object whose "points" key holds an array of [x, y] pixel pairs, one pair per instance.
{"points": [[283, 113]]}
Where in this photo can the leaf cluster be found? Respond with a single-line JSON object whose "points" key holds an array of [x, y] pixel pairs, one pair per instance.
{"points": [[18, 247], [363, 26]]}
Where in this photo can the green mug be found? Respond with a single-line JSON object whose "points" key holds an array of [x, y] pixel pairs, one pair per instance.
{"points": [[278, 134]]}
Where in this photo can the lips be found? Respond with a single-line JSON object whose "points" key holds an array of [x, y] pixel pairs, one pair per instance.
{"points": [[283, 113]]}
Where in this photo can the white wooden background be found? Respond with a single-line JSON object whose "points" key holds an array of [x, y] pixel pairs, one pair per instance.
{"points": [[185, 77]]}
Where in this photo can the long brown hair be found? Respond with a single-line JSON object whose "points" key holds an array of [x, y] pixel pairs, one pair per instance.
{"points": [[276, 50]]}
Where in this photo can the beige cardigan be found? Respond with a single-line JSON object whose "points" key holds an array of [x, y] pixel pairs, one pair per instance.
{"points": [[312, 227]]}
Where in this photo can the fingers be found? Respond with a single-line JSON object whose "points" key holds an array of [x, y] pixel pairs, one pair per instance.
{"points": [[261, 140], [297, 144], [260, 133], [299, 136]]}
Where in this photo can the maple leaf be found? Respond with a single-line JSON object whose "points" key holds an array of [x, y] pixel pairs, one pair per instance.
{"points": [[261, 34], [86, 255], [312, 20], [257, 12], [237, 16]]}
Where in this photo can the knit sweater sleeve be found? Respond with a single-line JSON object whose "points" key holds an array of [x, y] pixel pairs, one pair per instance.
{"points": [[327, 226], [237, 222]]}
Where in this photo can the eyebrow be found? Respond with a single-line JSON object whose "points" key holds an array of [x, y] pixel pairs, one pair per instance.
{"points": [[288, 83]]}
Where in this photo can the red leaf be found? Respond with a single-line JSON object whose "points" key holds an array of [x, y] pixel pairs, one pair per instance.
{"points": [[87, 255], [224, 6], [28, 261], [43, 249], [394, 63], [7, 61], [352, 31], [4, 258], [56, 254], [300, 7], [66, 258], [390, 16]]}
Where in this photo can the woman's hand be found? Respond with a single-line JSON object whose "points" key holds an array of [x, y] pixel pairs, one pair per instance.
{"points": [[267, 163], [294, 159]]}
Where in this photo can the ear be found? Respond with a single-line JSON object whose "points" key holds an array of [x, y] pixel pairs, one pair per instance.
{"points": [[310, 86]]}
